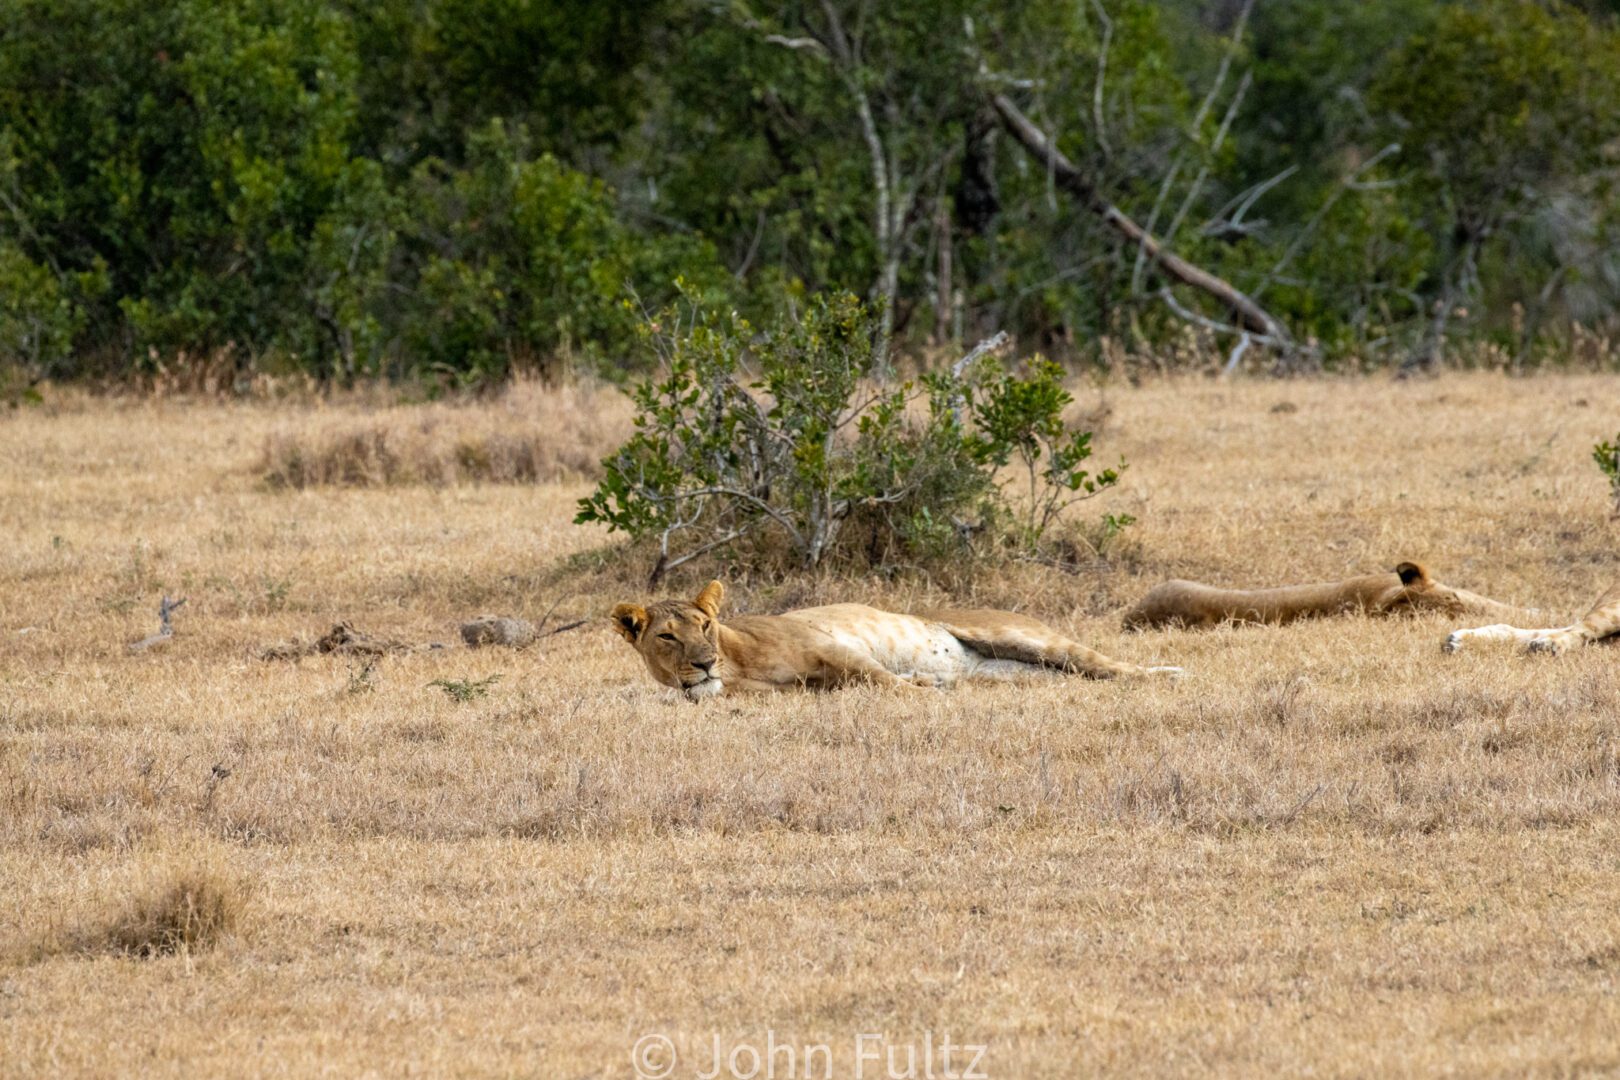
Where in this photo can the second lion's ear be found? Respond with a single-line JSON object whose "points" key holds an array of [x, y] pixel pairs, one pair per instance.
{"points": [[1412, 573], [708, 601], [629, 620]]}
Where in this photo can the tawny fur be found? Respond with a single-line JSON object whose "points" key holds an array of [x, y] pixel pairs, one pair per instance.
{"points": [[1602, 623], [1405, 590], [687, 647]]}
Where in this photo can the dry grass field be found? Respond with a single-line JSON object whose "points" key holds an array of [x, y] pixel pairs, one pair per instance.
{"points": [[1328, 849]]}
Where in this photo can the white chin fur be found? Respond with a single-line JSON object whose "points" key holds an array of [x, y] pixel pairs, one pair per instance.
{"points": [[706, 689]]}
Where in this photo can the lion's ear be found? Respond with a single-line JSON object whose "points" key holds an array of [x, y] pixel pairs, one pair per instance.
{"points": [[708, 601], [629, 620], [1412, 574]]}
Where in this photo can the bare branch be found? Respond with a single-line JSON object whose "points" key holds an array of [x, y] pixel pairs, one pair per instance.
{"points": [[1226, 65], [993, 344], [1183, 312], [753, 500], [807, 43], [1214, 147], [892, 203], [666, 564], [1237, 354], [1140, 265], [166, 609], [1195, 131], [1316, 219], [1243, 202], [753, 247], [1250, 314], [1102, 75]]}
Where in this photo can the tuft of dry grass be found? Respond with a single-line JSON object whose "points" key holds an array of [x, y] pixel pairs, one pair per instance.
{"points": [[1329, 849], [186, 910], [531, 434]]}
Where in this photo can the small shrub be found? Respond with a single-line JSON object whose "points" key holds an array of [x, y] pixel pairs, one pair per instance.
{"points": [[1022, 418], [1607, 456], [362, 677], [811, 456], [276, 591], [462, 691]]}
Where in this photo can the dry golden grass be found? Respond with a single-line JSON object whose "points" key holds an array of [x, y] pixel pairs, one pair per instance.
{"points": [[174, 911], [532, 433], [1328, 848]]}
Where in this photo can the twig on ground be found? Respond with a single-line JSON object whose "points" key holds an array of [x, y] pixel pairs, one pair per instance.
{"points": [[166, 609]]}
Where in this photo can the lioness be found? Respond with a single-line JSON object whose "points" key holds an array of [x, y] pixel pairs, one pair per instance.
{"points": [[686, 646], [1408, 589], [1601, 623]]}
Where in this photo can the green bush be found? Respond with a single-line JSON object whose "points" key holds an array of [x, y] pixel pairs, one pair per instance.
{"points": [[813, 456], [1607, 456], [525, 261], [252, 181], [38, 320], [1023, 418]]}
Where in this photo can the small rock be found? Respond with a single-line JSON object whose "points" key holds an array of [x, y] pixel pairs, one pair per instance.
{"points": [[497, 630]]}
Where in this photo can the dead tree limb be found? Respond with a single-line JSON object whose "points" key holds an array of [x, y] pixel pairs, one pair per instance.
{"points": [[1188, 315], [989, 346], [166, 609], [893, 198], [1248, 314], [1195, 133], [1102, 77], [1346, 184], [1229, 219]]}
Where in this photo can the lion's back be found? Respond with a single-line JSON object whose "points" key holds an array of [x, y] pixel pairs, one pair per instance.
{"points": [[1190, 603]]}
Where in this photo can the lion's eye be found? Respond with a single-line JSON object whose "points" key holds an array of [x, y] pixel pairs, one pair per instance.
{"points": [[666, 637]]}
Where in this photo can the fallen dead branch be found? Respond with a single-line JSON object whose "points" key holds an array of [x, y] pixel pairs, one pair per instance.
{"points": [[166, 609], [343, 640]]}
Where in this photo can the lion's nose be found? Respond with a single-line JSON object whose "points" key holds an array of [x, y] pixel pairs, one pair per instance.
{"points": [[705, 666]]}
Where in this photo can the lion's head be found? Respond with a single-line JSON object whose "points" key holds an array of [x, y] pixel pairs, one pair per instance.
{"points": [[680, 641], [1418, 592]]}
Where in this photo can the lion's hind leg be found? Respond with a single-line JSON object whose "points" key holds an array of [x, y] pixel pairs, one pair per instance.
{"points": [[1004, 636], [1495, 632], [1603, 621], [844, 666]]}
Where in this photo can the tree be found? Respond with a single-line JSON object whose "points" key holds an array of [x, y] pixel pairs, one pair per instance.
{"points": [[1499, 108]]}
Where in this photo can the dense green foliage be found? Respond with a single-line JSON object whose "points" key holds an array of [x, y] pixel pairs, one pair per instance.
{"points": [[810, 457], [1607, 456], [460, 187]]}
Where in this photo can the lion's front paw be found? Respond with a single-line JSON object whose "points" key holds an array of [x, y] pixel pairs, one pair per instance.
{"points": [[1453, 642], [1552, 645]]}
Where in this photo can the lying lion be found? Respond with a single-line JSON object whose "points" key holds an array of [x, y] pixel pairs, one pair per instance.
{"points": [[1601, 623], [686, 647], [1408, 589]]}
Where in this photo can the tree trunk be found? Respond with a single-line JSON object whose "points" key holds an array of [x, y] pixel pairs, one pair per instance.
{"points": [[944, 290], [1250, 315], [1427, 358]]}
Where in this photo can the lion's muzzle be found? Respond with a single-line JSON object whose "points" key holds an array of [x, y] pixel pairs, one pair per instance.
{"points": [[707, 688]]}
